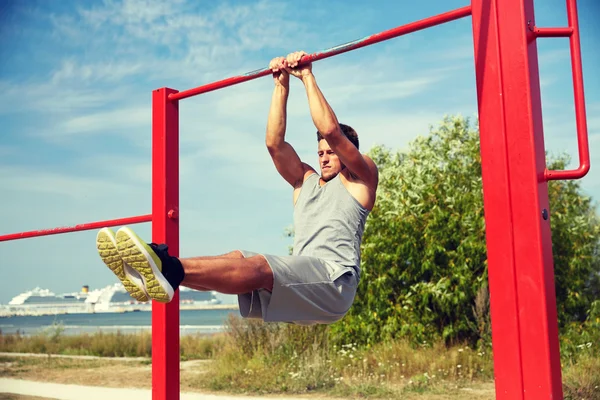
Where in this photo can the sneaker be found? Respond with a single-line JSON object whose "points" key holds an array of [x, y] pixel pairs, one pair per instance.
{"points": [[161, 272], [106, 244]]}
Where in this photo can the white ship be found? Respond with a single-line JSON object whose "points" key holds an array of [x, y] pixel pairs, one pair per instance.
{"points": [[113, 298]]}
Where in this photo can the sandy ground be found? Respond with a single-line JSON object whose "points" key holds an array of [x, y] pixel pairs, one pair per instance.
{"points": [[91, 378], [96, 378], [17, 389], [78, 392], [12, 396]]}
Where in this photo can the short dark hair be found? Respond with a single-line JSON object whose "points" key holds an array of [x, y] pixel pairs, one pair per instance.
{"points": [[348, 131]]}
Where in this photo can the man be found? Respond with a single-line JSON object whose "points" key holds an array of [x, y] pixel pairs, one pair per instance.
{"points": [[318, 282]]}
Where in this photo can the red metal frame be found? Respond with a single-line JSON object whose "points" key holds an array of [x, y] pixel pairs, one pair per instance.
{"points": [[165, 229], [520, 265], [76, 228], [572, 32]]}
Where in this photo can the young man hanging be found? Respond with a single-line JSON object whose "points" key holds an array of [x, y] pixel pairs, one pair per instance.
{"points": [[318, 282]]}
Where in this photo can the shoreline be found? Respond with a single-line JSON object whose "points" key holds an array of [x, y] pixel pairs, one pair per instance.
{"points": [[203, 320], [115, 310]]}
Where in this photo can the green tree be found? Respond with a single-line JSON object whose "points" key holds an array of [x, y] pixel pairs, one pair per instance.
{"points": [[424, 266], [576, 247]]}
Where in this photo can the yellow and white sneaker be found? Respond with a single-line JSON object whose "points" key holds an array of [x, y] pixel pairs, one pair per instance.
{"points": [[161, 272], [106, 244]]}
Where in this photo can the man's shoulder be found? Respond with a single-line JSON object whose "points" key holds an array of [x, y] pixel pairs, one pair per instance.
{"points": [[372, 167]]}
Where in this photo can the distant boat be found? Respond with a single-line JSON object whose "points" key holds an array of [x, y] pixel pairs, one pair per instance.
{"points": [[113, 298]]}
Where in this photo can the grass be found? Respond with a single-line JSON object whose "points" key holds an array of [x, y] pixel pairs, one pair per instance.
{"points": [[52, 341], [113, 373], [278, 359], [581, 380], [257, 358]]}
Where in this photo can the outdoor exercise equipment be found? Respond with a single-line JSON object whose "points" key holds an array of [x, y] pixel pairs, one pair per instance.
{"points": [[514, 173]]}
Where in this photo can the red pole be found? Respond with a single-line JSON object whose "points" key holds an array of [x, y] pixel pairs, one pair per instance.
{"points": [[81, 227], [165, 229], [357, 44], [520, 264]]}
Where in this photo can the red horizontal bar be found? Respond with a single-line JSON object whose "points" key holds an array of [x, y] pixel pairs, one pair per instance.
{"points": [[369, 40], [578, 173], [553, 32], [80, 227]]}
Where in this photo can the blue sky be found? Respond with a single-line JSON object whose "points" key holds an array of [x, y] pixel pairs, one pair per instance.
{"points": [[75, 114]]}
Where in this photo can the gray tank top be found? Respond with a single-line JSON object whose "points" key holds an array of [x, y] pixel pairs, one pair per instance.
{"points": [[329, 222]]}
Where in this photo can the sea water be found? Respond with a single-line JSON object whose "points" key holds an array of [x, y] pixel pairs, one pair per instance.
{"points": [[190, 322]]}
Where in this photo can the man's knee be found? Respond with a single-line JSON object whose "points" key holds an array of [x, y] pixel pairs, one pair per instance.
{"points": [[265, 271], [235, 254]]}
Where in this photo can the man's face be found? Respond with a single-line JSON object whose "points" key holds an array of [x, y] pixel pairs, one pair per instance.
{"points": [[328, 161]]}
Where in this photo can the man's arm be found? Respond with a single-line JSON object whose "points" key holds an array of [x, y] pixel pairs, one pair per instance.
{"points": [[327, 124], [284, 156]]}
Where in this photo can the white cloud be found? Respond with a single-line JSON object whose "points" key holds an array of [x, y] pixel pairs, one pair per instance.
{"points": [[386, 91], [394, 131], [130, 12], [553, 56], [244, 27], [122, 120], [47, 98], [76, 186], [71, 71], [129, 169]]}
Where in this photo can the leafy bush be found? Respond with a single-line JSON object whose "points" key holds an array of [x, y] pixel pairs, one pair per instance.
{"points": [[424, 262]]}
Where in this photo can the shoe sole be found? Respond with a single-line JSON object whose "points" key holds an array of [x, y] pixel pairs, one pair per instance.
{"points": [[107, 249], [139, 256]]}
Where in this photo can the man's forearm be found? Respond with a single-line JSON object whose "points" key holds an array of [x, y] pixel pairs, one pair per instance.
{"points": [[276, 123], [321, 112]]}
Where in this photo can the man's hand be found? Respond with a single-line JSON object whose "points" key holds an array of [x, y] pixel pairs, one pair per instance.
{"points": [[280, 74], [292, 61]]}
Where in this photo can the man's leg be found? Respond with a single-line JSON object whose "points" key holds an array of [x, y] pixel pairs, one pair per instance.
{"points": [[228, 275], [232, 254], [164, 273], [194, 285]]}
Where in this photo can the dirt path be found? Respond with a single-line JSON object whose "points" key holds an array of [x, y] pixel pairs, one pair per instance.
{"points": [[76, 377], [95, 371], [12, 396]]}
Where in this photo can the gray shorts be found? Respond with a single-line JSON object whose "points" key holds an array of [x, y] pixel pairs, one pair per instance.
{"points": [[306, 291]]}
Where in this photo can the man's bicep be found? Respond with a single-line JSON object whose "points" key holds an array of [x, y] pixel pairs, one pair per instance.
{"points": [[288, 163]]}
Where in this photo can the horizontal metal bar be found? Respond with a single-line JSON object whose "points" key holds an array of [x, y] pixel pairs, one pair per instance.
{"points": [[81, 227], [553, 32], [369, 40]]}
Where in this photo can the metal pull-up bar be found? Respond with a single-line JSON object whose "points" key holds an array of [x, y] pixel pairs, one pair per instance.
{"points": [[356, 44]]}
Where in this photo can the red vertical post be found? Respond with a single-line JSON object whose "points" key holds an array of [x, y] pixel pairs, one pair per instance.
{"points": [[520, 264], [165, 229]]}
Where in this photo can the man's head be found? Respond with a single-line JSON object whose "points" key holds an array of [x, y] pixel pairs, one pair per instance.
{"points": [[328, 161]]}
